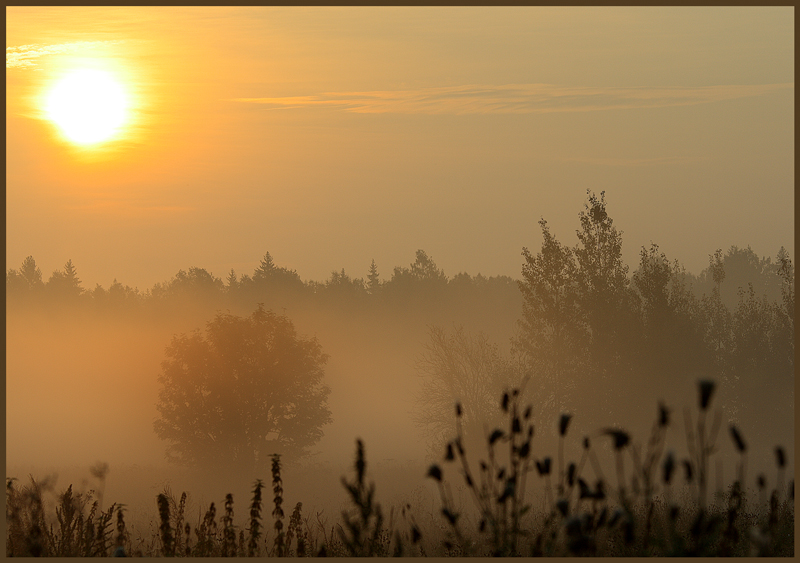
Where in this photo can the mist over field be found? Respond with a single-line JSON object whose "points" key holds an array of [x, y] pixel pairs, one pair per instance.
{"points": [[534, 266], [84, 366]]}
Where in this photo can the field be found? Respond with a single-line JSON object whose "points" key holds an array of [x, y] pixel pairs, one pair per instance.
{"points": [[505, 501]]}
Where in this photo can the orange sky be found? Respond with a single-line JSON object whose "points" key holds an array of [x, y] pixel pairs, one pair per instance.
{"points": [[332, 136]]}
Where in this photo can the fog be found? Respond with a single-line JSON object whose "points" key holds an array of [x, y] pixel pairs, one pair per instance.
{"points": [[82, 388]]}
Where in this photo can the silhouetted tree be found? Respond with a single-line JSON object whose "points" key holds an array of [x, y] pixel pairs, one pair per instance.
{"points": [[116, 297], [685, 337], [373, 280], [553, 336], [784, 317], [786, 273], [424, 269], [192, 288], [603, 289], [741, 266], [249, 388], [25, 282], [64, 285], [423, 283], [271, 284], [717, 320], [269, 275], [652, 281], [343, 291], [233, 282], [752, 329]]}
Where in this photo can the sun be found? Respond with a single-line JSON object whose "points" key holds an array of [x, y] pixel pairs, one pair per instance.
{"points": [[89, 106]]}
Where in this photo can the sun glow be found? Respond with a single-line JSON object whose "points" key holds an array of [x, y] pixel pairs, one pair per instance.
{"points": [[89, 106]]}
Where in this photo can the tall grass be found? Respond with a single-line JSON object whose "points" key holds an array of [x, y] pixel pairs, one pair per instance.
{"points": [[650, 511]]}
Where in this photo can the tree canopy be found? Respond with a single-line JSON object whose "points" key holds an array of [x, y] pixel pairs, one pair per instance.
{"points": [[248, 388]]}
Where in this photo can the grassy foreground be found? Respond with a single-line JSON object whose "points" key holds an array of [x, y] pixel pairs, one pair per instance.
{"points": [[655, 506]]}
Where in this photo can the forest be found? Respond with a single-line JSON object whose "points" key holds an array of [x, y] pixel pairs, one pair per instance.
{"points": [[253, 374]]}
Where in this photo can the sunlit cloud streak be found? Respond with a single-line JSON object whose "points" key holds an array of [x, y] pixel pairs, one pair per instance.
{"points": [[516, 98], [657, 161], [25, 56]]}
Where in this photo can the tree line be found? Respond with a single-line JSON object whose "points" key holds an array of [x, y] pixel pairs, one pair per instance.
{"points": [[590, 333], [421, 285], [586, 321]]}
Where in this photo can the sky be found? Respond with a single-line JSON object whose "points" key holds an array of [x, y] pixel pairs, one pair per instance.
{"points": [[329, 137]]}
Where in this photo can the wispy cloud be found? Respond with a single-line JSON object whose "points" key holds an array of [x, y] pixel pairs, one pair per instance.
{"points": [[25, 56], [635, 162], [516, 98]]}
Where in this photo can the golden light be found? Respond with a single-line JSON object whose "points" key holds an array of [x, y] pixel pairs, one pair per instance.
{"points": [[89, 106]]}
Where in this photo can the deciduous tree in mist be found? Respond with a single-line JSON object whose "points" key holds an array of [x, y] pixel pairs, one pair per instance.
{"points": [[671, 341], [553, 336], [249, 388], [462, 368], [602, 283]]}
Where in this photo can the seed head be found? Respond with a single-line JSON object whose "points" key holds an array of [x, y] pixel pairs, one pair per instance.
{"points": [[620, 437], [451, 516], [669, 467], [449, 455], [458, 410], [543, 467], [495, 435], [706, 387], [563, 423], [663, 415], [504, 403], [435, 472], [737, 439]]}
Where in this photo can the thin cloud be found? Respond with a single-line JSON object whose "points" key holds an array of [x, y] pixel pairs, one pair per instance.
{"points": [[25, 56], [515, 98], [657, 161]]}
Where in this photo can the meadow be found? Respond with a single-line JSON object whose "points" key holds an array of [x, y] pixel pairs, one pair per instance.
{"points": [[595, 357], [507, 500]]}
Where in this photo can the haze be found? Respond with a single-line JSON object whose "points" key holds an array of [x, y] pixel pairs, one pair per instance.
{"points": [[330, 138]]}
